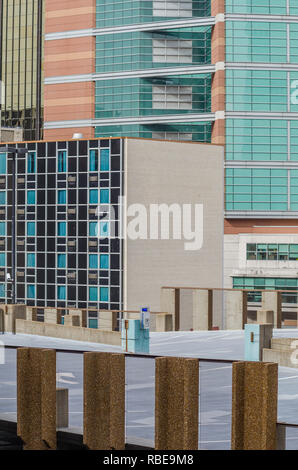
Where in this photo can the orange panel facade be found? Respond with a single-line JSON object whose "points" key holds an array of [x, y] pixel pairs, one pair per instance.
{"points": [[261, 226], [69, 15]]}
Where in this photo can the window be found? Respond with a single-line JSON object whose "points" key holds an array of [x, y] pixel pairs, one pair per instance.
{"points": [[93, 294], [30, 229], [169, 8], [30, 197], [104, 261], [2, 260], [2, 197], [104, 294], [104, 229], [171, 97], [31, 159], [93, 196], [104, 196], [2, 290], [104, 160], [61, 261], [2, 228], [178, 51], [93, 160], [61, 292], [31, 260], [62, 196], [93, 261], [272, 251], [93, 323], [93, 231], [62, 161], [61, 229], [267, 283], [31, 291], [3, 163]]}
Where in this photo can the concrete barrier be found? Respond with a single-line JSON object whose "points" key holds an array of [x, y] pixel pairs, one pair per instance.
{"points": [[163, 322], [170, 303], [254, 406], [265, 317], [52, 315], [11, 314], [62, 413], [69, 332], [176, 403], [104, 401], [36, 398], [202, 309], [272, 301], [235, 309]]}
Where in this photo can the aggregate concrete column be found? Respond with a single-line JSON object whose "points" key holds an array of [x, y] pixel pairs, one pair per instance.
{"points": [[235, 309], [272, 301], [104, 401], [176, 403], [202, 309], [254, 406], [36, 398], [170, 303]]}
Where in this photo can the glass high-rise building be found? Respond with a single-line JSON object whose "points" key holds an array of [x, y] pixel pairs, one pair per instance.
{"points": [[21, 43]]}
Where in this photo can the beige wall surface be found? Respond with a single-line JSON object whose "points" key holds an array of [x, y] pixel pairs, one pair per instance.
{"points": [[168, 172]]}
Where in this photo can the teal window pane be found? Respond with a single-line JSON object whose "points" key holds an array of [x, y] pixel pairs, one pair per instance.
{"points": [[30, 229], [31, 260], [104, 229], [2, 290], [93, 160], [93, 294], [62, 196], [93, 196], [2, 228], [61, 229], [3, 163], [30, 197], [31, 291], [2, 259], [31, 162], [104, 196], [93, 261], [104, 262], [93, 323], [104, 294], [93, 229], [61, 292], [104, 160], [61, 261], [62, 161], [2, 197]]}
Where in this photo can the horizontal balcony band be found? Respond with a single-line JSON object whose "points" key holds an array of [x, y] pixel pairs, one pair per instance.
{"points": [[260, 66], [261, 215], [183, 70], [285, 165], [164, 119], [261, 18], [260, 115], [153, 26]]}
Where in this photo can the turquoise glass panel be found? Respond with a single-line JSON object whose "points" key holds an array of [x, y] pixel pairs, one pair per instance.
{"points": [[93, 323], [30, 260], [30, 197], [2, 228], [93, 196], [104, 262], [93, 261], [2, 197], [104, 196], [2, 290], [31, 291], [93, 294], [104, 229], [61, 292], [104, 160], [61, 229], [2, 259], [61, 261], [104, 294], [93, 231], [93, 160], [62, 161], [62, 196], [31, 229], [31, 162], [3, 158]]}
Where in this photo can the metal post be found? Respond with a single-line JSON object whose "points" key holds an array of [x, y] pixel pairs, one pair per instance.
{"points": [[13, 231]]}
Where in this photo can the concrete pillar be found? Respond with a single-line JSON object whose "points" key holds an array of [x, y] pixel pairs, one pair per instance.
{"points": [[82, 316], [105, 320], [31, 313], [170, 303], [176, 403], [235, 309], [104, 401], [13, 312], [265, 317], [163, 322], [202, 309], [62, 408], [36, 398], [257, 337], [254, 406], [2, 328], [52, 315], [272, 301]]}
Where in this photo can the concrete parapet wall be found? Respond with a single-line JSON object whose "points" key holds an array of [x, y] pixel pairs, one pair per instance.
{"points": [[272, 301], [68, 332], [282, 358], [202, 309], [235, 309]]}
